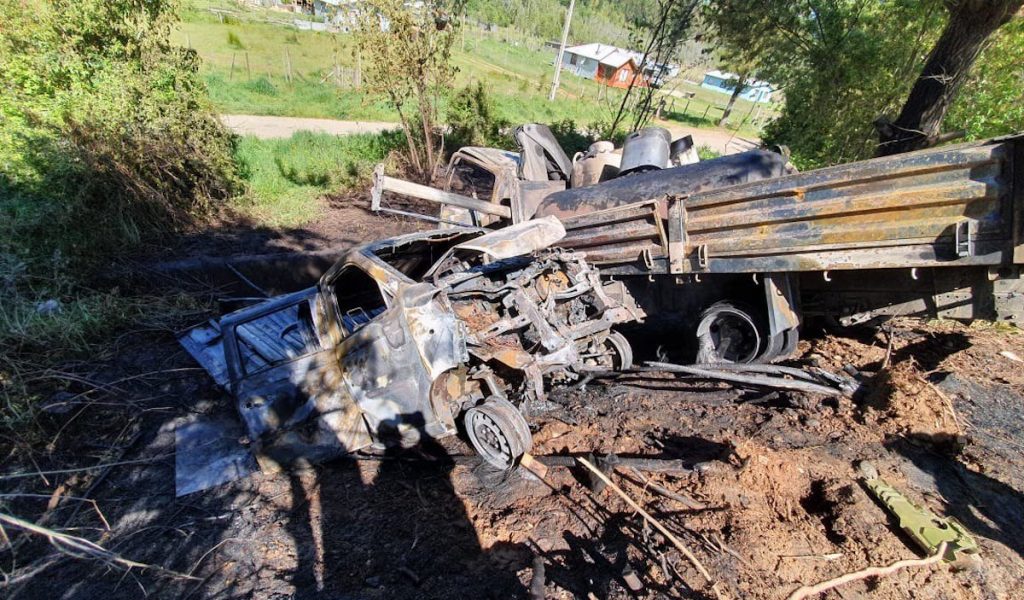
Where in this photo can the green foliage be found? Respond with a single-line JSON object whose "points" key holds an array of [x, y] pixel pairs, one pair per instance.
{"points": [[705, 152], [262, 86], [471, 117], [234, 42], [574, 138], [286, 176], [407, 58], [846, 63], [991, 103], [570, 138], [105, 131], [840, 66]]}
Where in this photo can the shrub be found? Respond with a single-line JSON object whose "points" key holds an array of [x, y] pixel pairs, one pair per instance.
{"points": [[570, 137], [574, 138], [473, 122], [705, 152], [107, 135], [234, 42], [262, 86]]}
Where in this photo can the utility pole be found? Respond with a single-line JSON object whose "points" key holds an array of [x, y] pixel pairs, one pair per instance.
{"points": [[561, 51]]}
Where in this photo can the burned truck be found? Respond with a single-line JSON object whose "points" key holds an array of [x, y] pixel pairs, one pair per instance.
{"points": [[730, 255], [403, 338]]}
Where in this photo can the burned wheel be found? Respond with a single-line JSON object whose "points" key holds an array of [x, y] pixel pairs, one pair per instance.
{"points": [[498, 432], [727, 333], [616, 353]]}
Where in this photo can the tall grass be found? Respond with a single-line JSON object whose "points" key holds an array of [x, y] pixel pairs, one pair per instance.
{"points": [[287, 176], [48, 318]]}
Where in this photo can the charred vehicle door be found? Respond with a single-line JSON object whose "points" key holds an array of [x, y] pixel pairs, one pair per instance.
{"points": [[396, 339], [283, 373]]}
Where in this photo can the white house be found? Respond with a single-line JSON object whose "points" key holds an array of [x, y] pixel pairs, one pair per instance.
{"points": [[614, 66], [754, 90]]}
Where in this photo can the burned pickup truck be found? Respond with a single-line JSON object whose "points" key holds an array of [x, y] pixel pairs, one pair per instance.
{"points": [[728, 256], [404, 337]]}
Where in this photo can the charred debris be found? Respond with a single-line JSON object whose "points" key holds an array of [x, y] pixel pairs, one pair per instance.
{"points": [[548, 271]]}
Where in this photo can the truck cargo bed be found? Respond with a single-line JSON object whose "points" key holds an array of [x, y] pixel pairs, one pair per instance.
{"points": [[951, 206]]}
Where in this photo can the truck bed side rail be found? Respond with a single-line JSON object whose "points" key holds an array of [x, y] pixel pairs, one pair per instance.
{"points": [[950, 206], [631, 234]]}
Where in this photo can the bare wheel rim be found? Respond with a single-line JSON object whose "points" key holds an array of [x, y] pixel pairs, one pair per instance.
{"points": [[498, 432], [727, 334]]}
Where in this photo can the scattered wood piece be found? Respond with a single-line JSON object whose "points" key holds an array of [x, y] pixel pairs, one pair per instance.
{"points": [[534, 466], [888, 347], [945, 400], [683, 499], [728, 550], [657, 525], [413, 577], [122, 463], [828, 556], [1011, 355], [808, 591]]}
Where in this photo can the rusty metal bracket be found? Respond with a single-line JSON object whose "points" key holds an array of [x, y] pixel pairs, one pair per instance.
{"points": [[964, 233], [677, 237], [702, 256], [648, 260]]}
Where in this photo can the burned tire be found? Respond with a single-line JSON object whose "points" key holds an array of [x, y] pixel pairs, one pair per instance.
{"points": [[781, 346], [499, 432], [620, 353], [727, 333]]}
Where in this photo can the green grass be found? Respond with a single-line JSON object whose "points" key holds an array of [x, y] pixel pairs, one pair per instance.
{"points": [[287, 176], [47, 318], [516, 70]]}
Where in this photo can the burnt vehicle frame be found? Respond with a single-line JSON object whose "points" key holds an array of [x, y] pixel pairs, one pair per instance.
{"points": [[403, 337]]}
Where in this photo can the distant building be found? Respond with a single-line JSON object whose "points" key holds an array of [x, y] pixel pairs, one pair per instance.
{"points": [[614, 66], [754, 90]]}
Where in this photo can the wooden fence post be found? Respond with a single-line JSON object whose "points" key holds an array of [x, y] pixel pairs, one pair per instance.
{"points": [[357, 77]]}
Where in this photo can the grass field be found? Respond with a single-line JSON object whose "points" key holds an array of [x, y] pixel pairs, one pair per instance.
{"points": [[286, 176], [247, 62]]}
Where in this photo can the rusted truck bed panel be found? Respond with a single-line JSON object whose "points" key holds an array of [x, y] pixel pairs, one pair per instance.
{"points": [[953, 206]]}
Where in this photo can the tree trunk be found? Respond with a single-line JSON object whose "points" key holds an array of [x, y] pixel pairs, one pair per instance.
{"points": [[428, 134], [414, 155], [736, 94], [971, 22]]}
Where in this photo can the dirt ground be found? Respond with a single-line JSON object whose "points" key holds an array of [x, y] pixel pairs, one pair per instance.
{"points": [[775, 473]]}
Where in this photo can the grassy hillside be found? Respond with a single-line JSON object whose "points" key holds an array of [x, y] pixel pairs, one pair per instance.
{"points": [[247, 61]]}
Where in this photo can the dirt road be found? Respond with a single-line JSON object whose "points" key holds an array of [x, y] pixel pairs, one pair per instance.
{"points": [[720, 140], [269, 127]]}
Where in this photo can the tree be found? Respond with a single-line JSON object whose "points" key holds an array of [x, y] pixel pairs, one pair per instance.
{"points": [[660, 32], [991, 101], [740, 86], [971, 23], [838, 63], [407, 54], [106, 131]]}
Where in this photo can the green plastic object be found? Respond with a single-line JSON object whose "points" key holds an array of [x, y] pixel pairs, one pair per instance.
{"points": [[927, 529]]}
